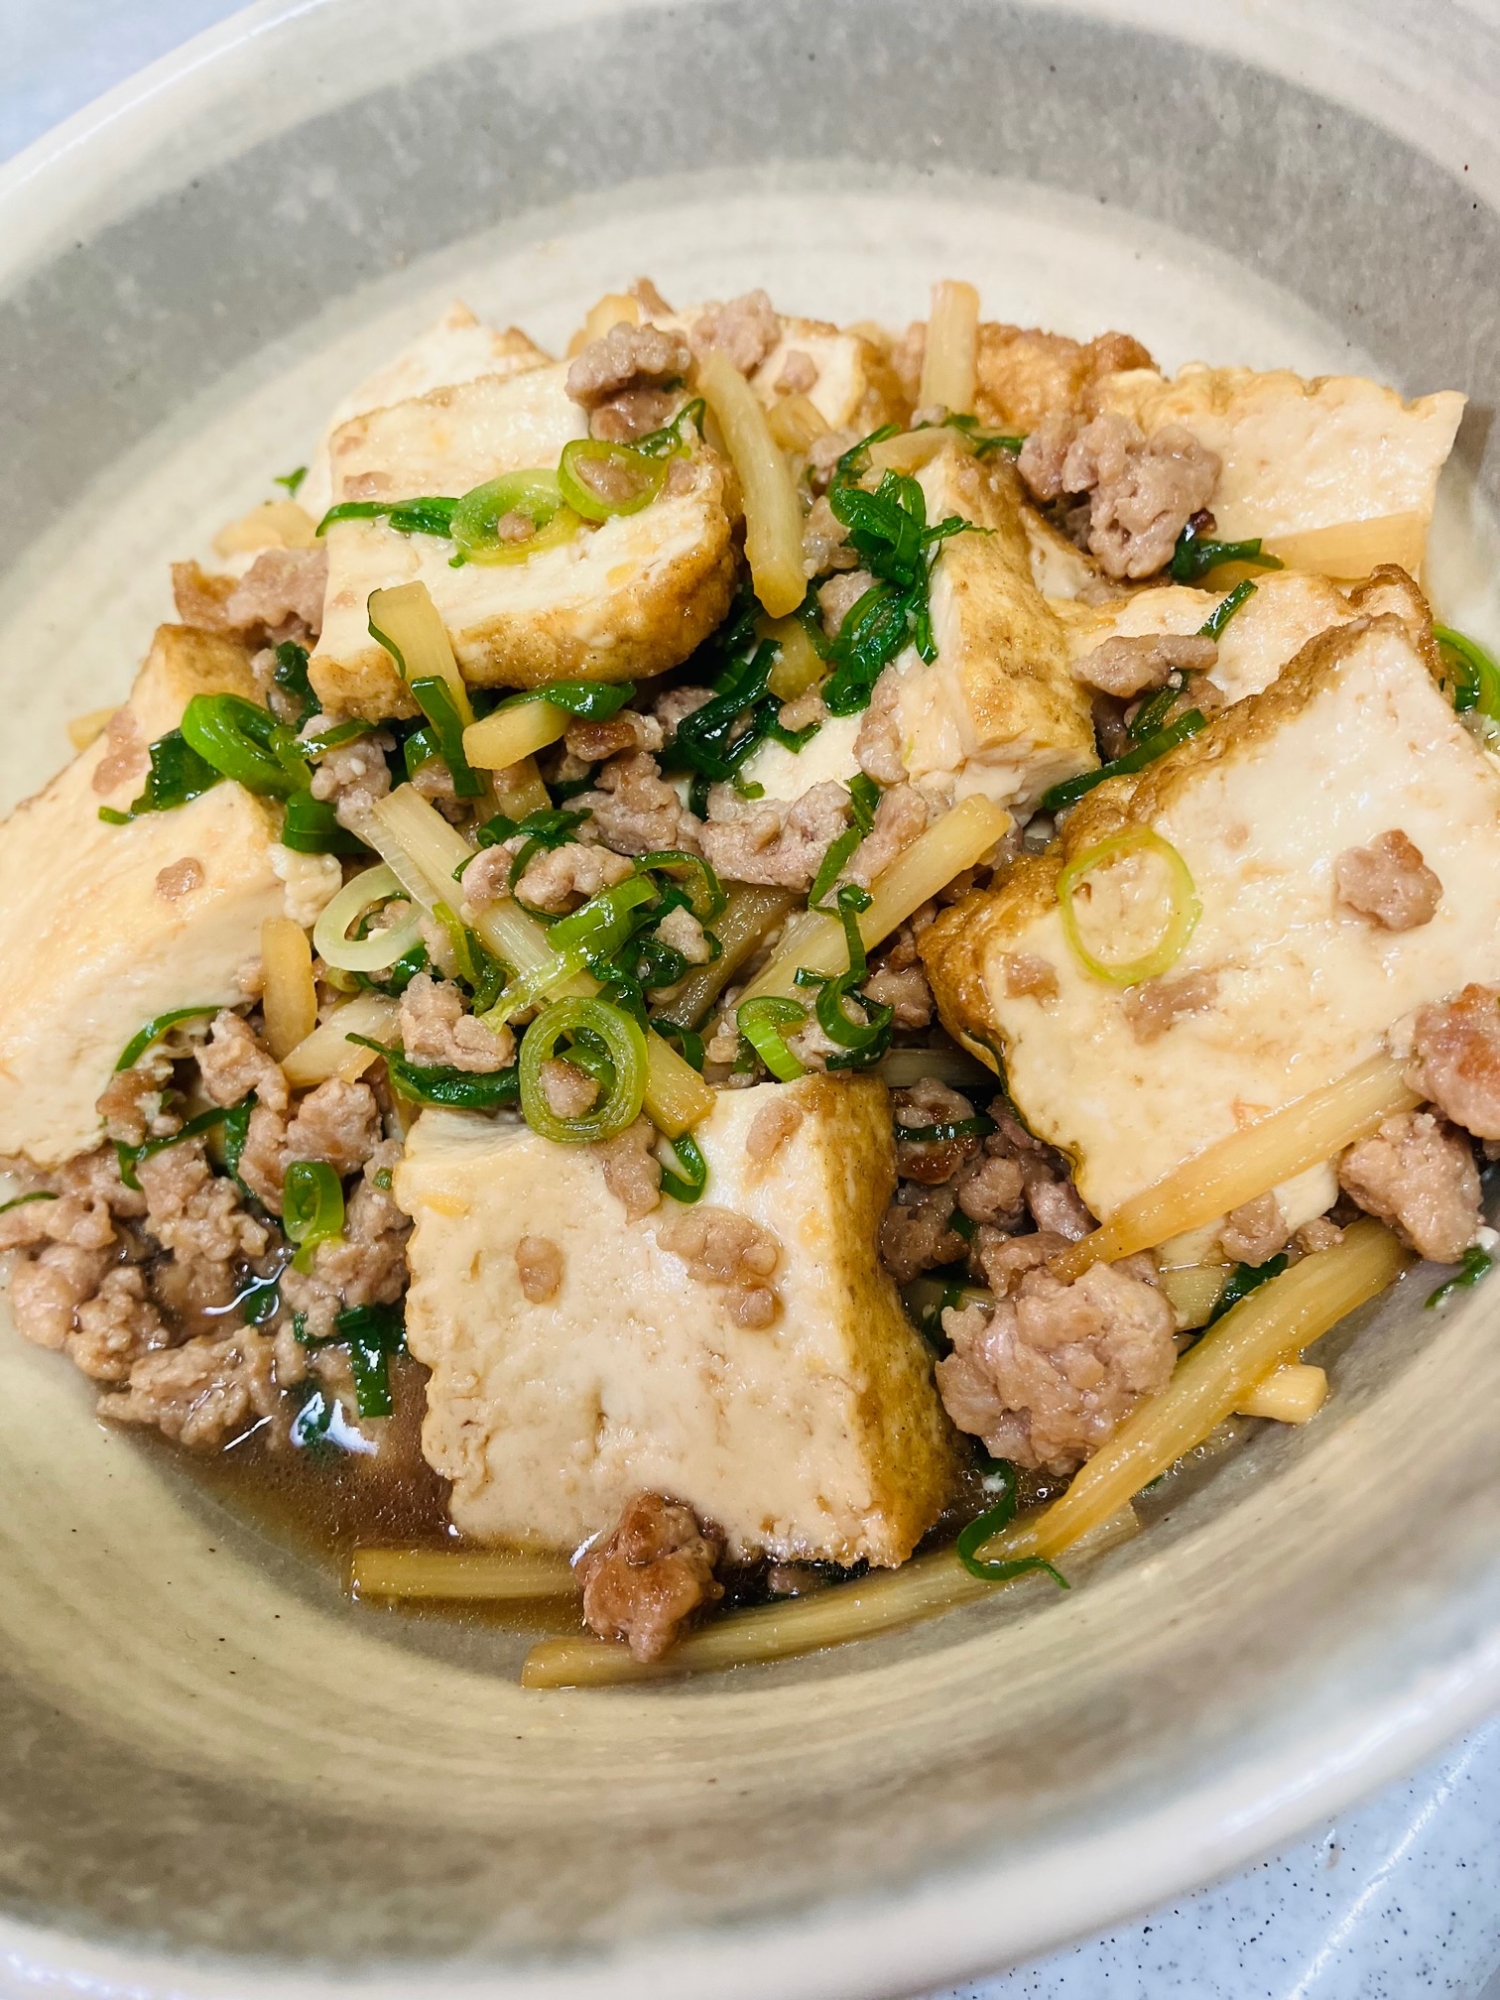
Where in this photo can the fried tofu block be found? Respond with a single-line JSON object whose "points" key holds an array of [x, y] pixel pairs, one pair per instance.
{"points": [[104, 927], [629, 598], [856, 388], [456, 349], [1282, 985], [1270, 628], [997, 711], [1303, 461], [818, 1437], [1026, 374]]}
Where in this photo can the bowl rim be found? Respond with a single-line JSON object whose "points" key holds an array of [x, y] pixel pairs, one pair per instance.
{"points": [[963, 1924]]}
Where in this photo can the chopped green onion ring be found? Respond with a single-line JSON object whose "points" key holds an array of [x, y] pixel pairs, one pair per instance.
{"points": [[707, 896], [641, 475], [625, 1045], [1470, 672], [1183, 913], [312, 1208], [246, 743], [761, 1022], [537, 495], [690, 1177], [144, 1038]]}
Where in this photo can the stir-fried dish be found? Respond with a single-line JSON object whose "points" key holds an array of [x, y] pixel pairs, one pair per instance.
{"points": [[776, 963]]}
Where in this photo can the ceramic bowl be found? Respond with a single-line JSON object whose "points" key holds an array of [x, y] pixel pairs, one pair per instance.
{"points": [[217, 1777]]}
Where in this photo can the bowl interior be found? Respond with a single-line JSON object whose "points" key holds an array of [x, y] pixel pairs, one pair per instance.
{"points": [[207, 1755]]}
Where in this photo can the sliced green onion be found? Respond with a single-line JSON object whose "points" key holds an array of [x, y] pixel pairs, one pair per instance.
{"points": [[1476, 1263], [1472, 676], [291, 480], [624, 1044], [312, 1208], [590, 701], [420, 748], [290, 675], [311, 826], [832, 865], [430, 514], [130, 1157], [246, 743], [983, 442], [1221, 614], [686, 1179], [940, 1135], [761, 1022], [707, 896], [537, 495], [998, 1518], [354, 903], [867, 1039], [601, 925], [1243, 1280], [1071, 790], [233, 1135], [337, 733], [20, 1200], [668, 442], [147, 1037], [590, 468], [435, 699], [1195, 555], [685, 1039], [177, 776], [864, 801], [1184, 908], [372, 1335], [440, 1083]]}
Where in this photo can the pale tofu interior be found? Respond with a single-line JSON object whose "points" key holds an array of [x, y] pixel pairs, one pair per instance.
{"points": [[91, 948], [1355, 740], [818, 1437]]}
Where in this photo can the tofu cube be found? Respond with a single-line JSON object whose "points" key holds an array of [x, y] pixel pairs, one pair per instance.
{"points": [[626, 599], [1281, 987], [856, 388], [93, 945], [819, 1437], [1303, 460]]}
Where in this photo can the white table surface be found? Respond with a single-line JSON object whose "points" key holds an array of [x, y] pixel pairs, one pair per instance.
{"points": [[1398, 1899]]}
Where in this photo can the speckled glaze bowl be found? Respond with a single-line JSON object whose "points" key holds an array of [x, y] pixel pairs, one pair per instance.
{"points": [[216, 1777]]}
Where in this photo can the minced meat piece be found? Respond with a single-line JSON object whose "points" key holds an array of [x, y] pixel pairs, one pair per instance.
{"points": [[202, 1393], [281, 594], [570, 1091], [929, 1102], [903, 989], [781, 846], [234, 1061], [723, 1248], [1056, 1205], [674, 705], [632, 1172], [1047, 1376], [650, 1576], [1254, 1231], [1143, 490], [47, 1289], [991, 1190], [1153, 1006], [635, 811], [132, 1103], [1027, 976], [825, 541], [776, 1121], [539, 1265], [680, 931], [116, 1327], [126, 757], [746, 330], [592, 742], [338, 1122], [354, 775], [437, 1030], [917, 1233], [194, 1212], [1005, 1259], [1456, 1059], [838, 597], [1418, 1174], [877, 748], [179, 878], [1125, 666], [627, 357], [1389, 881], [900, 818], [366, 1266], [799, 373], [558, 879]]}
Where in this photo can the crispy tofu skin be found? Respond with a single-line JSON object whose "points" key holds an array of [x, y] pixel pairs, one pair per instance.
{"points": [[456, 349], [1269, 629], [630, 598], [1026, 374], [856, 389], [1303, 458], [819, 1437], [91, 948], [1354, 739]]}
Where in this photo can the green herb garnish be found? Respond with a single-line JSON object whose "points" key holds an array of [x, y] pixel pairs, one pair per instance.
{"points": [[245, 742], [687, 1183], [1243, 1280], [1471, 676], [432, 514], [999, 1517], [1221, 614], [1476, 1263], [1195, 555], [20, 1200], [589, 701], [291, 480], [440, 1083], [1072, 789], [178, 775], [311, 826], [312, 1208]]}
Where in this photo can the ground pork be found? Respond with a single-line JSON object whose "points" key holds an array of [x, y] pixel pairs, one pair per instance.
{"points": [[202, 1393], [367, 1265], [1005, 1259], [1131, 666], [838, 597], [1254, 1231], [557, 879], [674, 705], [1319, 1234], [570, 1091], [81, 1207], [799, 374], [1455, 1061], [280, 595], [825, 541], [806, 711], [539, 1265], [338, 1122], [125, 759], [823, 455], [1153, 1006], [354, 775], [1418, 1174], [991, 1189], [194, 1212], [179, 878], [632, 414], [877, 747], [592, 742], [1143, 491], [917, 1233], [899, 818], [632, 1172], [47, 1289], [1027, 976], [1045, 1378], [233, 1062], [746, 329], [929, 1102], [776, 1121], [635, 810], [905, 991], [680, 931], [1056, 1205], [727, 1250], [116, 1327], [200, 598], [627, 357], [133, 1102], [437, 1030], [780, 846], [650, 1576], [1389, 881]]}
